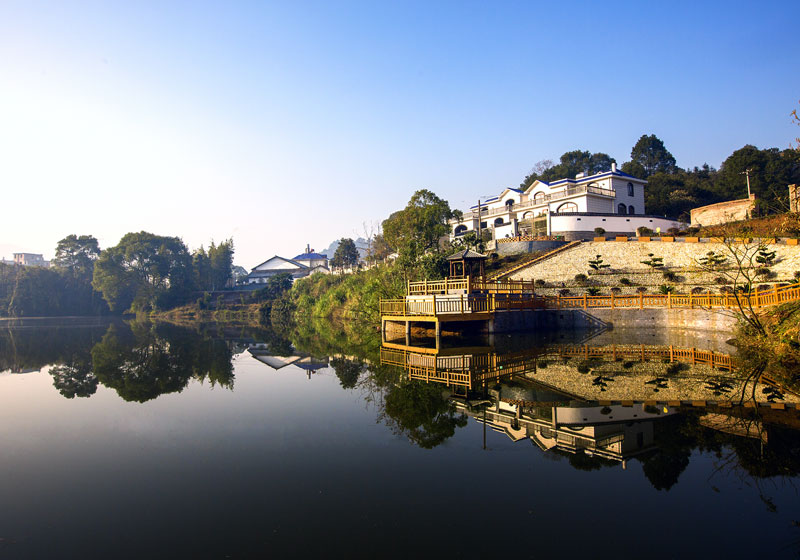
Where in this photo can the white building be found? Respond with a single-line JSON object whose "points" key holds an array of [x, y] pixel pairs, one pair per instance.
{"points": [[299, 267], [30, 259], [571, 208]]}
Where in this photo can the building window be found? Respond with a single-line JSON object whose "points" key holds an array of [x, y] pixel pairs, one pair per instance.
{"points": [[498, 222], [622, 209], [538, 197], [631, 211], [567, 207], [460, 230], [630, 189], [483, 225], [509, 205]]}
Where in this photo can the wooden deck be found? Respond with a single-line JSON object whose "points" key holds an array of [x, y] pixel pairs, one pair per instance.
{"points": [[434, 302]]}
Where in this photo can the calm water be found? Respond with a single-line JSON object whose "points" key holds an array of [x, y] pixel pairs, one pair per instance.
{"points": [[154, 441]]}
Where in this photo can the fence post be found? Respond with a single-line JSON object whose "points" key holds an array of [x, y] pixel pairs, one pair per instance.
{"points": [[612, 300], [691, 303], [641, 300], [434, 304], [671, 354], [669, 300], [694, 356], [584, 301], [461, 298], [558, 301]]}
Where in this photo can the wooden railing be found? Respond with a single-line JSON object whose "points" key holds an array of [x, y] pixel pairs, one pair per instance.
{"points": [[468, 285], [510, 299], [462, 304], [754, 299]]}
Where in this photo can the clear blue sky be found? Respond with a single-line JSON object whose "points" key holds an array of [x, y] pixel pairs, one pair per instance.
{"points": [[292, 123]]}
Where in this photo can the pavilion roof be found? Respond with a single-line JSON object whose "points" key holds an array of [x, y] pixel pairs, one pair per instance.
{"points": [[466, 254]]}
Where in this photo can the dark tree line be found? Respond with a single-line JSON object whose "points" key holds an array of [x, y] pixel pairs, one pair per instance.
{"points": [[673, 191], [141, 273]]}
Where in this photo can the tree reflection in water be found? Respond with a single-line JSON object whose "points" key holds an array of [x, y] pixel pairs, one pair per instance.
{"points": [[422, 413], [145, 360]]}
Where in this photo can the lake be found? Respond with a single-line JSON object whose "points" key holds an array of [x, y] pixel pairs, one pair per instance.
{"points": [[140, 440]]}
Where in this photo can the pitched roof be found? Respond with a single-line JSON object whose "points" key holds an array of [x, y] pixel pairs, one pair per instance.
{"points": [[465, 254], [310, 257], [291, 261]]}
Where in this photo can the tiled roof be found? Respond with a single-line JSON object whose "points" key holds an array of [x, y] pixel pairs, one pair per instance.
{"points": [[465, 254], [310, 257]]}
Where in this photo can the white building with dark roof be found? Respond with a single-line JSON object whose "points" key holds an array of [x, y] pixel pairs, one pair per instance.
{"points": [[571, 208], [301, 266]]}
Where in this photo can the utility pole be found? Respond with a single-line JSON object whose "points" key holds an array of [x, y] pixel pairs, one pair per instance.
{"points": [[746, 172], [479, 219]]}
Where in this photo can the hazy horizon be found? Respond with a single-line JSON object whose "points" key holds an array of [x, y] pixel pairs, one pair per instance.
{"points": [[282, 125]]}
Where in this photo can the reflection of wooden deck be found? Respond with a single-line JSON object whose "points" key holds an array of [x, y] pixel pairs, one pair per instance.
{"points": [[470, 367]]}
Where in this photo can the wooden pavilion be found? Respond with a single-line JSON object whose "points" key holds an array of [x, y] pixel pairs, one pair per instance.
{"points": [[467, 264]]}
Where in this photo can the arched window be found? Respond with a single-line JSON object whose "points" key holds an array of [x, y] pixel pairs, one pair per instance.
{"points": [[622, 209], [498, 222], [526, 215], [567, 207], [538, 197], [630, 189], [509, 204], [460, 230], [631, 211]]}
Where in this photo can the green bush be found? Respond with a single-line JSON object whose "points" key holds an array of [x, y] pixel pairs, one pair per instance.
{"points": [[625, 281], [581, 278]]}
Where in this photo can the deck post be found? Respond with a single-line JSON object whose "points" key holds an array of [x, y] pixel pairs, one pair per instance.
{"points": [[434, 304], [641, 300], [438, 330], [584, 301], [671, 354], [669, 300], [691, 303], [612, 300]]}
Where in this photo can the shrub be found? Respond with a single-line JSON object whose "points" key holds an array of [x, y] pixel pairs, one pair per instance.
{"points": [[641, 289], [673, 231], [598, 232], [721, 280], [541, 364], [592, 291], [764, 272], [644, 231], [665, 289], [581, 278], [698, 290], [627, 365], [726, 290], [796, 275], [596, 263], [625, 281], [583, 367], [539, 282], [670, 276], [693, 231], [564, 292], [616, 290], [763, 287], [653, 262]]}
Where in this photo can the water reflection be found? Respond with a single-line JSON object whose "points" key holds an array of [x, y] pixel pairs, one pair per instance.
{"points": [[604, 405]]}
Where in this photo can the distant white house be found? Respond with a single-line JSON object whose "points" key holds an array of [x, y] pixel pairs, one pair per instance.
{"points": [[30, 259], [301, 266], [572, 208]]}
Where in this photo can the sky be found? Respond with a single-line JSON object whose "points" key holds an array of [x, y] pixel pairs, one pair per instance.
{"points": [[282, 124]]}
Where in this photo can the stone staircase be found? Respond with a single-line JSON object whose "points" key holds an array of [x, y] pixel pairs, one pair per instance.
{"points": [[532, 262]]}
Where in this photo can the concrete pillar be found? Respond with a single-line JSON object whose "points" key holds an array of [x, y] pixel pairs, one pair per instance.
{"points": [[438, 330]]}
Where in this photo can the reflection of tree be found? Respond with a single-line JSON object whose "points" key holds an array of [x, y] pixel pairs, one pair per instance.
{"points": [[144, 361], [420, 412], [663, 467], [347, 371], [75, 378]]}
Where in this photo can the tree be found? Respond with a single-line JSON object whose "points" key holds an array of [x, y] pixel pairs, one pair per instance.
{"points": [[417, 228], [348, 371], [346, 255], [220, 258], [77, 254], [570, 164], [144, 271], [654, 262], [649, 152]]}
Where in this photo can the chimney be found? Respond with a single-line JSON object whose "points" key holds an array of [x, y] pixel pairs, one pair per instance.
{"points": [[580, 175], [613, 167]]}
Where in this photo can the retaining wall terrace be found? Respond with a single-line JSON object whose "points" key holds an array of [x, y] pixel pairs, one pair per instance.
{"points": [[624, 258]]}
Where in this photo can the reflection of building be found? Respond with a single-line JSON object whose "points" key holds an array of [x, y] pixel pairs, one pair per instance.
{"points": [[612, 200], [611, 432], [303, 361]]}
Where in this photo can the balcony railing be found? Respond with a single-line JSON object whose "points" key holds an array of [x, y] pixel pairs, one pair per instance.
{"points": [[542, 200]]}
